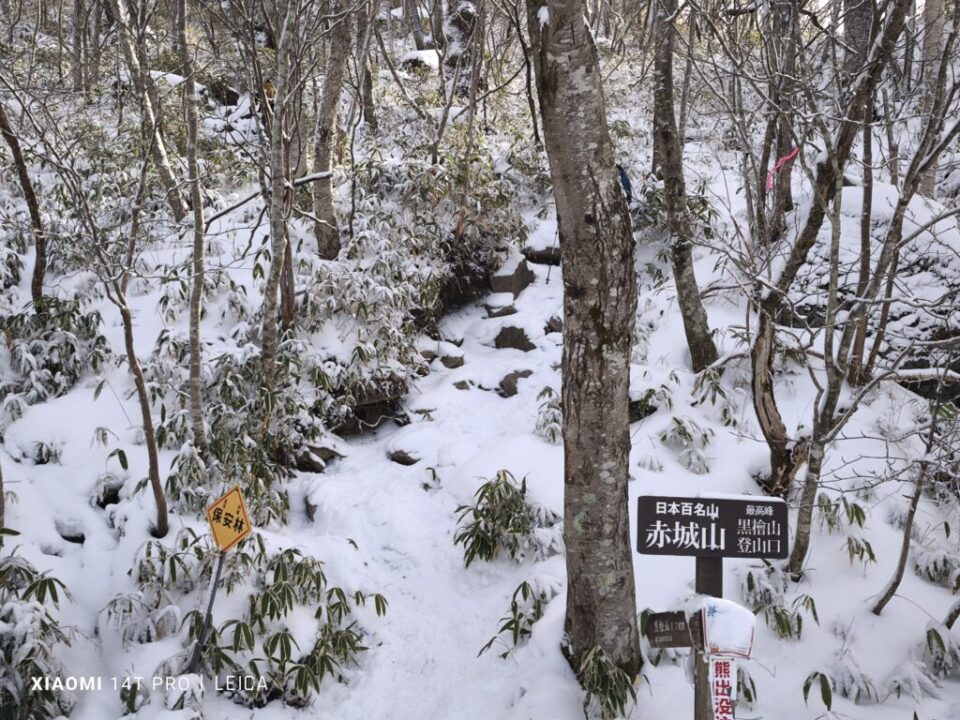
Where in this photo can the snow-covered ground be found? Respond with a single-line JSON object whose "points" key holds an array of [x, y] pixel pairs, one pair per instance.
{"points": [[387, 527]]}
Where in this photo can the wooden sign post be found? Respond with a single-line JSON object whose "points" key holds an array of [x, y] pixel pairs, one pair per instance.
{"points": [[229, 524], [710, 529]]}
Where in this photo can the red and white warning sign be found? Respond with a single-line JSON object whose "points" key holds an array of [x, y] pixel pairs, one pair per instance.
{"points": [[723, 686]]}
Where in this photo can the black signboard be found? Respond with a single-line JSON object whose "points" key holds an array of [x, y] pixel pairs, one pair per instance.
{"points": [[668, 630], [744, 527]]}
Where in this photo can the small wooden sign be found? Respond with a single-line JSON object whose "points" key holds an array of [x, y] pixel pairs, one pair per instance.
{"points": [[228, 520], [737, 527], [668, 630]]}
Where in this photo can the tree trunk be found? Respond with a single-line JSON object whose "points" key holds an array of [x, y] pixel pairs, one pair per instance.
{"points": [[933, 25], [280, 195], [148, 107], [461, 26], [857, 374], [808, 497], [932, 441], [670, 154], [859, 30], [326, 229], [33, 207], [891, 589], [411, 11], [600, 298], [363, 62], [79, 23], [785, 18], [288, 305], [436, 24], [191, 116], [150, 436]]}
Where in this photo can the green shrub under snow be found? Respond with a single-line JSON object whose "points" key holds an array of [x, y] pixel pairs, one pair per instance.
{"points": [[30, 636], [272, 641], [501, 519]]}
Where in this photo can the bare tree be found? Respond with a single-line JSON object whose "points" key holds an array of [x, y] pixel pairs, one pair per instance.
{"points": [[786, 456], [600, 298]]}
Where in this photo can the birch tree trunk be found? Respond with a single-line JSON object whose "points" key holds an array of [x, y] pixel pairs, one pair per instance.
{"points": [[670, 155], [326, 229], [191, 103], [600, 299]]}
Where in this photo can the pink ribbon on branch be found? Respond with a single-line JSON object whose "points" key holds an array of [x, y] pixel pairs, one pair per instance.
{"points": [[780, 163]]}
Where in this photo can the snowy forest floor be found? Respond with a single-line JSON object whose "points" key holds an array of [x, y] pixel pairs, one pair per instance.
{"points": [[389, 528]]}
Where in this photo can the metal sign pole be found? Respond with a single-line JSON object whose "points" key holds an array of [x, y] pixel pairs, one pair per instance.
{"points": [[205, 627], [709, 581]]}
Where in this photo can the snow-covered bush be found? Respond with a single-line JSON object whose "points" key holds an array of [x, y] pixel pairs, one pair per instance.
{"points": [[650, 209], [49, 352], [549, 416], [727, 402], [837, 514], [913, 679], [526, 607], [30, 635], [448, 248], [694, 461], [501, 519], [851, 682], [281, 588], [683, 432], [653, 398], [604, 681], [253, 432], [764, 590], [942, 653]]}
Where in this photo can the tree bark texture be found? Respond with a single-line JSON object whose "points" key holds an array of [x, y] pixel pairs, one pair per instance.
{"points": [[933, 26], [600, 297], [326, 230]]}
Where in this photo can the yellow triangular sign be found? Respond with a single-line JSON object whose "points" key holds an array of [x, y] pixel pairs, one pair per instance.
{"points": [[228, 520]]}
